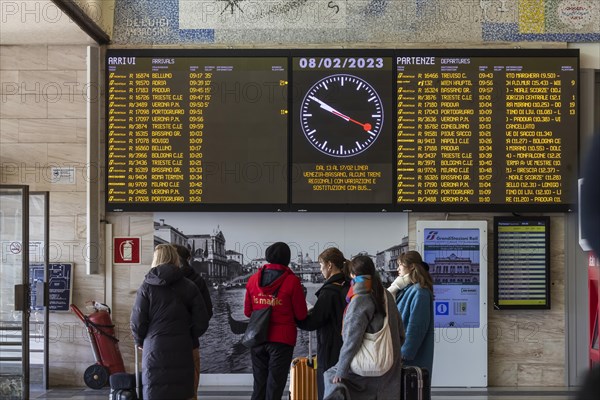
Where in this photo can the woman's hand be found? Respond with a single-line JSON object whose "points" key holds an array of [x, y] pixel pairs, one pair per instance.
{"points": [[337, 379]]}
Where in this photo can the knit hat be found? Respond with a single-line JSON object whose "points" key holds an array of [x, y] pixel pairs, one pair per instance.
{"points": [[278, 253]]}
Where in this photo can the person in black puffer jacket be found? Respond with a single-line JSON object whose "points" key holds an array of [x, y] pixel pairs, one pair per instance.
{"points": [[189, 273], [168, 314], [327, 314]]}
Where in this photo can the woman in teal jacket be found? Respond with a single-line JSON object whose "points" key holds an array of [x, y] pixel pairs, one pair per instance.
{"points": [[415, 304]]}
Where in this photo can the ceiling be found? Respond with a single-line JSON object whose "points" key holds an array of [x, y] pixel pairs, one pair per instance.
{"points": [[37, 22]]}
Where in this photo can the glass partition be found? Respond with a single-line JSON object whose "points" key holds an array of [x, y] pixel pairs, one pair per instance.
{"points": [[38, 278], [14, 312]]}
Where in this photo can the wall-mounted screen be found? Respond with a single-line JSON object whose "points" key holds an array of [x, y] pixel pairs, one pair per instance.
{"points": [[522, 262], [342, 130], [187, 132], [456, 252], [335, 130], [487, 130]]}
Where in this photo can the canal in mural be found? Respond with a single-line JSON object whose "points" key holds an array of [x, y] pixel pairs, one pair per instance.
{"points": [[221, 350], [227, 248]]}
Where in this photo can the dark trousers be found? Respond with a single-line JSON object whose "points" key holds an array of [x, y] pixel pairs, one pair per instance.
{"points": [[270, 367], [320, 382]]}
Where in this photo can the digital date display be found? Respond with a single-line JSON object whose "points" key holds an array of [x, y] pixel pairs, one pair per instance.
{"points": [[325, 63], [341, 131]]}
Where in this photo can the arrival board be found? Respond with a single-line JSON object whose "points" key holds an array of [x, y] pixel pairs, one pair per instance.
{"points": [[196, 131]]}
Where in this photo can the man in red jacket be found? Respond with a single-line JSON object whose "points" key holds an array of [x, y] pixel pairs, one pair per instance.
{"points": [[271, 360]]}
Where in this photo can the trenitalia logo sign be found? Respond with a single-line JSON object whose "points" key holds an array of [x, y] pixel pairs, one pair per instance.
{"points": [[441, 237], [432, 235]]}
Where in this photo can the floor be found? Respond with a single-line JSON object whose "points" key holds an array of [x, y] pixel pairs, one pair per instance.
{"points": [[242, 392]]}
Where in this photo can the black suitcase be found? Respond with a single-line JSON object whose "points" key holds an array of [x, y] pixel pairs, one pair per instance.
{"points": [[416, 384], [124, 386], [122, 394], [122, 380]]}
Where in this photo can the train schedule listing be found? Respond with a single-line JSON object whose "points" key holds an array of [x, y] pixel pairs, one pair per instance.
{"points": [[486, 130], [188, 131]]}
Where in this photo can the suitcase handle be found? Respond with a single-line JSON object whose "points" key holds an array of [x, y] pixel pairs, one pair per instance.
{"points": [[312, 362], [138, 383]]}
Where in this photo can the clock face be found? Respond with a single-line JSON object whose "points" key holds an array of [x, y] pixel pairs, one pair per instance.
{"points": [[341, 115]]}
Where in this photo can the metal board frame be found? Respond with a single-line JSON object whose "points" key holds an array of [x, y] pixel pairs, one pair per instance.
{"points": [[463, 343]]}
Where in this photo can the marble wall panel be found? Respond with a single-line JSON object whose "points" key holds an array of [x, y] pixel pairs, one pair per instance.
{"points": [[67, 154], [502, 373], [9, 130], [81, 130], [23, 57], [51, 85], [51, 130], [136, 277], [62, 228], [81, 226], [70, 203], [540, 374], [67, 57], [68, 105], [26, 155], [9, 82], [138, 224], [23, 106]]}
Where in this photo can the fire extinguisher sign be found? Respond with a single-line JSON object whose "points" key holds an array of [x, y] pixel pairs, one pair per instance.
{"points": [[127, 250]]}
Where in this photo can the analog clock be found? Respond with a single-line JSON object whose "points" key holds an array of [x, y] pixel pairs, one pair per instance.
{"points": [[341, 115]]}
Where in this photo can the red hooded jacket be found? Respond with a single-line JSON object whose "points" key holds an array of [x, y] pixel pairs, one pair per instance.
{"points": [[288, 306]]}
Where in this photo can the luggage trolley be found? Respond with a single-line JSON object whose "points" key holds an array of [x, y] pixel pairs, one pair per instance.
{"points": [[105, 346]]}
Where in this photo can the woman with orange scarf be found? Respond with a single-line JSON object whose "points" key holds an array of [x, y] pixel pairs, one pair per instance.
{"points": [[366, 311]]}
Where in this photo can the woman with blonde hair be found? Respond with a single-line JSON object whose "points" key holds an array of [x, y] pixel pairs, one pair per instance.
{"points": [[167, 315], [415, 304]]}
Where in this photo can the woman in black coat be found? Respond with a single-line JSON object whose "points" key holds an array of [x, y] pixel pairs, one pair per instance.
{"points": [[327, 314], [167, 315]]}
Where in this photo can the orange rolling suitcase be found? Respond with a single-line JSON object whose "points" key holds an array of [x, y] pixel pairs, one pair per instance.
{"points": [[303, 376]]}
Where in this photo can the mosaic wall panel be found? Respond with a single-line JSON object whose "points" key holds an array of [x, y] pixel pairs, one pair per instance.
{"points": [[340, 22], [11, 387]]}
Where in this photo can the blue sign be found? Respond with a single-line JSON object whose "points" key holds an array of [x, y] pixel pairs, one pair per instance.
{"points": [[442, 308], [59, 285]]}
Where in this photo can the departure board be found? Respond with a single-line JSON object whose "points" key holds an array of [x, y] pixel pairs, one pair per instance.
{"points": [[522, 260], [341, 131], [488, 131], [196, 132]]}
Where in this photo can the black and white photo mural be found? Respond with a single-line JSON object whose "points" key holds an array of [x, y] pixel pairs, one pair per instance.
{"points": [[228, 248]]}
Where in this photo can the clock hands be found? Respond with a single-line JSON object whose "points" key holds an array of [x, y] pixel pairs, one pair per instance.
{"points": [[366, 126]]}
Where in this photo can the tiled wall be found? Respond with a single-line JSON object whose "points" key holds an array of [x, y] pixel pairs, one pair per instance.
{"points": [[43, 125], [339, 22]]}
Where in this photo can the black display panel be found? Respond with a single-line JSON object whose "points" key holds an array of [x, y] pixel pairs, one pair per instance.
{"points": [[487, 130], [342, 128], [521, 263], [193, 133]]}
